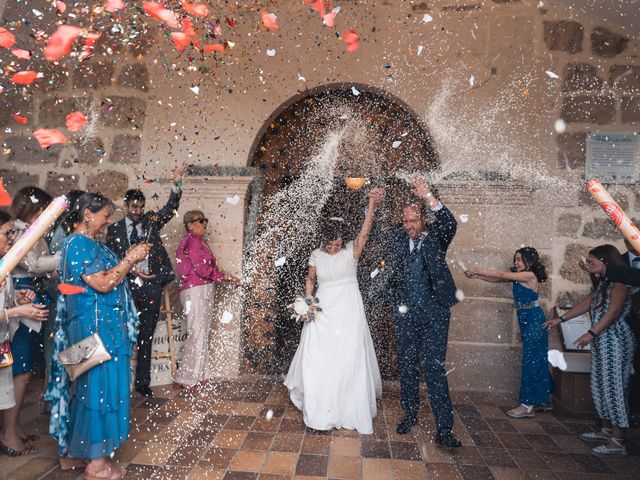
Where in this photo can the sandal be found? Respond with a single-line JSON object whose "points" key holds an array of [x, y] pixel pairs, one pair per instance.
{"points": [[522, 411], [602, 436], [620, 450], [30, 438], [109, 472], [27, 450]]}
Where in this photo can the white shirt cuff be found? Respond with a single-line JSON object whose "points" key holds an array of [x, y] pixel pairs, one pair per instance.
{"points": [[176, 188], [437, 207]]}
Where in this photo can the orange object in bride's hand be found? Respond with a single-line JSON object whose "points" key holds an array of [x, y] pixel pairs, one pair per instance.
{"points": [[355, 183]]}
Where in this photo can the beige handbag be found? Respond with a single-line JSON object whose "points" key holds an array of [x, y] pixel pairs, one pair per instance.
{"points": [[84, 355]]}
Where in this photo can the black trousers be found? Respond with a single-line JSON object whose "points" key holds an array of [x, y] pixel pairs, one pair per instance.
{"points": [[423, 336], [148, 299]]}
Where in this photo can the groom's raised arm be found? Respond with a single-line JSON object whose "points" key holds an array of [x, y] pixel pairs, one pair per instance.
{"points": [[445, 226]]}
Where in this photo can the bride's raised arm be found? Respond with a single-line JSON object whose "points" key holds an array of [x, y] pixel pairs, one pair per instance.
{"points": [[375, 197]]}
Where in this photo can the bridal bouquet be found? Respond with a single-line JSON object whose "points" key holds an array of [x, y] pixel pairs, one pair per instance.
{"points": [[304, 308]]}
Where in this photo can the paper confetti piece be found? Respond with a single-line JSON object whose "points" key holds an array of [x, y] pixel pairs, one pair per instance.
{"points": [[233, 200], [553, 75], [181, 40], [213, 48], [403, 309], [396, 143], [560, 126], [556, 359], [156, 10], [355, 91], [75, 121], [47, 137], [195, 9], [269, 415], [7, 39], [464, 218], [426, 18], [462, 266], [113, 5], [472, 80], [420, 49], [375, 273], [351, 38], [187, 307], [60, 43], [301, 78], [21, 120], [269, 20], [329, 19], [227, 316], [271, 53], [195, 89], [5, 198], [24, 78], [280, 262], [67, 289], [459, 295], [89, 42], [21, 54]]}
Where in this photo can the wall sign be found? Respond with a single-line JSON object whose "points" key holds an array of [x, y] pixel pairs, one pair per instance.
{"points": [[613, 157]]}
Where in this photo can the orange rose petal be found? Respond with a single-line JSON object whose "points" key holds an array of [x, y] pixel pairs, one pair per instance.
{"points": [[181, 40], [214, 48], [20, 119], [351, 38], [195, 9], [61, 6], [269, 20], [23, 54], [7, 39], [318, 6], [24, 78], [47, 137], [329, 19], [75, 121], [113, 5], [187, 27], [60, 43], [5, 198], [156, 10]]}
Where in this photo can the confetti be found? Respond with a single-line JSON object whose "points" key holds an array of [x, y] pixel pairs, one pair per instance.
{"points": [[464, 218], [355, 91], [21, 120], [61, 6], [269, 20], [195, 89], [426, 18], [227, 316], [271, 53], [403, 309], [66, 289], [301, 78], [281, 261], [462, 266], [181, 40], [420, 49], [21, 54], [75, 121], [472, 80], [553, 75], [318, 5], [7, 39], [113, 5], [459, 295], [556, 359], [329, 19], [375, 273], [187, 307], [195, 9], [213, 48], [156, 10], [26, 77], [351, 38], [47, 137], [5, 198], [560, 126], [396, 143], [60, 43], [233, 200], [269, 415]]}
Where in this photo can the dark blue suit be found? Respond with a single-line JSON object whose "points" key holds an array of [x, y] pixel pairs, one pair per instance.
{"points": [[421, 281]]}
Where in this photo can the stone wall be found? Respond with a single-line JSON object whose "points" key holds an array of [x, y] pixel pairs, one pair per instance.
{"points": [[475, 73]]}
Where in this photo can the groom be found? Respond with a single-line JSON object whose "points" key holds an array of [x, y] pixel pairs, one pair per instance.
{"points": [[422, 292]]}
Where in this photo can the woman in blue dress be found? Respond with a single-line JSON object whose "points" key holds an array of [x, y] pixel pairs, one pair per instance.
{"points": [[93, 422], [525, 276]]}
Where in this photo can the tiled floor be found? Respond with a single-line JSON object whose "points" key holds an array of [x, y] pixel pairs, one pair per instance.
{"points": [[247, 430]]}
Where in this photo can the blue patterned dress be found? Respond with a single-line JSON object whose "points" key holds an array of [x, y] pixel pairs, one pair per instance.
{"points": [[611, 357], [94, 421]]}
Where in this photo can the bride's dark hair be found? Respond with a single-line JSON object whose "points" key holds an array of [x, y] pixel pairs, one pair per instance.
{"points": [[333, 229]]}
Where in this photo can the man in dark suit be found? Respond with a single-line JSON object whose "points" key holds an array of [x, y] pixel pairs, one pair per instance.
{"points": [[148, 280], [422, 291]]}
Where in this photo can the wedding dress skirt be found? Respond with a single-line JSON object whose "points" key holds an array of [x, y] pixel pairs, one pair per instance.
{"points": [[334, 377]]}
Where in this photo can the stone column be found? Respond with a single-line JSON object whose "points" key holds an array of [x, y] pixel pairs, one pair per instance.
{"points": [[223, 201]]}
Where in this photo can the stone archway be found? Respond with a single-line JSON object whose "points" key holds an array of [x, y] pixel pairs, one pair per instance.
{"points": [[395, 140]]}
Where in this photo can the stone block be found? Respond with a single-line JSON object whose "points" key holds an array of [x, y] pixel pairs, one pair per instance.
{"points": [[563, 35], [93, 75], [601, 229], [582, 76], [570, 270], [14, 180], [61, 184], [598, 110], [625, 77], [55, 77], [586, 200], [568, 225], [134, 76], [89, 150], [122, 112], [607, 43], [25, 150], [484, 368], [482, 321], [12, 103], [507, 1], [53, 111], [125, 149], [568, 300], [110, 183], [630, 107], [572, 148], [511, 37]]}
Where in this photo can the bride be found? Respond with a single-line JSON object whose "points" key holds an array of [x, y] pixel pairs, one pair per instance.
{"points": [[334, 377]]}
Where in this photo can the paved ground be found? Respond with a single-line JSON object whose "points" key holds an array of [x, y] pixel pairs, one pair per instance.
{"points": [[227, 433]]}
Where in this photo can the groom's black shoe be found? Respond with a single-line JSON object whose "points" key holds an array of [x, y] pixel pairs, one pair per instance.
{"points": [[405, 425], [446, 439]]}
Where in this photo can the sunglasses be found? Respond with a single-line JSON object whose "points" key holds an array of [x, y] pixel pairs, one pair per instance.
{"points": [[201, 220]]}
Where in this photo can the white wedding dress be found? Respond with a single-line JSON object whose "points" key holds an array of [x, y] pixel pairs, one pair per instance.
{"points": [[334, 377]]}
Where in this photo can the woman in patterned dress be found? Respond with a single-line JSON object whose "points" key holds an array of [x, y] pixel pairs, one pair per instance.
{"points": [[612, 347]]}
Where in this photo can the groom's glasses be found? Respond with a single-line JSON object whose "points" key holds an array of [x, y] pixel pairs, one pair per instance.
{"points": [[201, 220]]}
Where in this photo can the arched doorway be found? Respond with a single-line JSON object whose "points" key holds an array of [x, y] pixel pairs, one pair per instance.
{"points": [[390, 139]]}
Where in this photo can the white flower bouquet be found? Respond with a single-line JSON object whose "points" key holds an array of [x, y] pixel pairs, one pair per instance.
{"points": [[304, 308]]}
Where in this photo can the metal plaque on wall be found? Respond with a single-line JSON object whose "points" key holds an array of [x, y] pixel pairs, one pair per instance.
{"points": [[613, 157]]}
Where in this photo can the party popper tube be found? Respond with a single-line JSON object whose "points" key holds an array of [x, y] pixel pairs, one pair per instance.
{"points": [[34, 233], [614, 212]]}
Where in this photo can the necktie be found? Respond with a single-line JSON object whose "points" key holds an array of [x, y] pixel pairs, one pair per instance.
{"points": [[134, 238]]}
